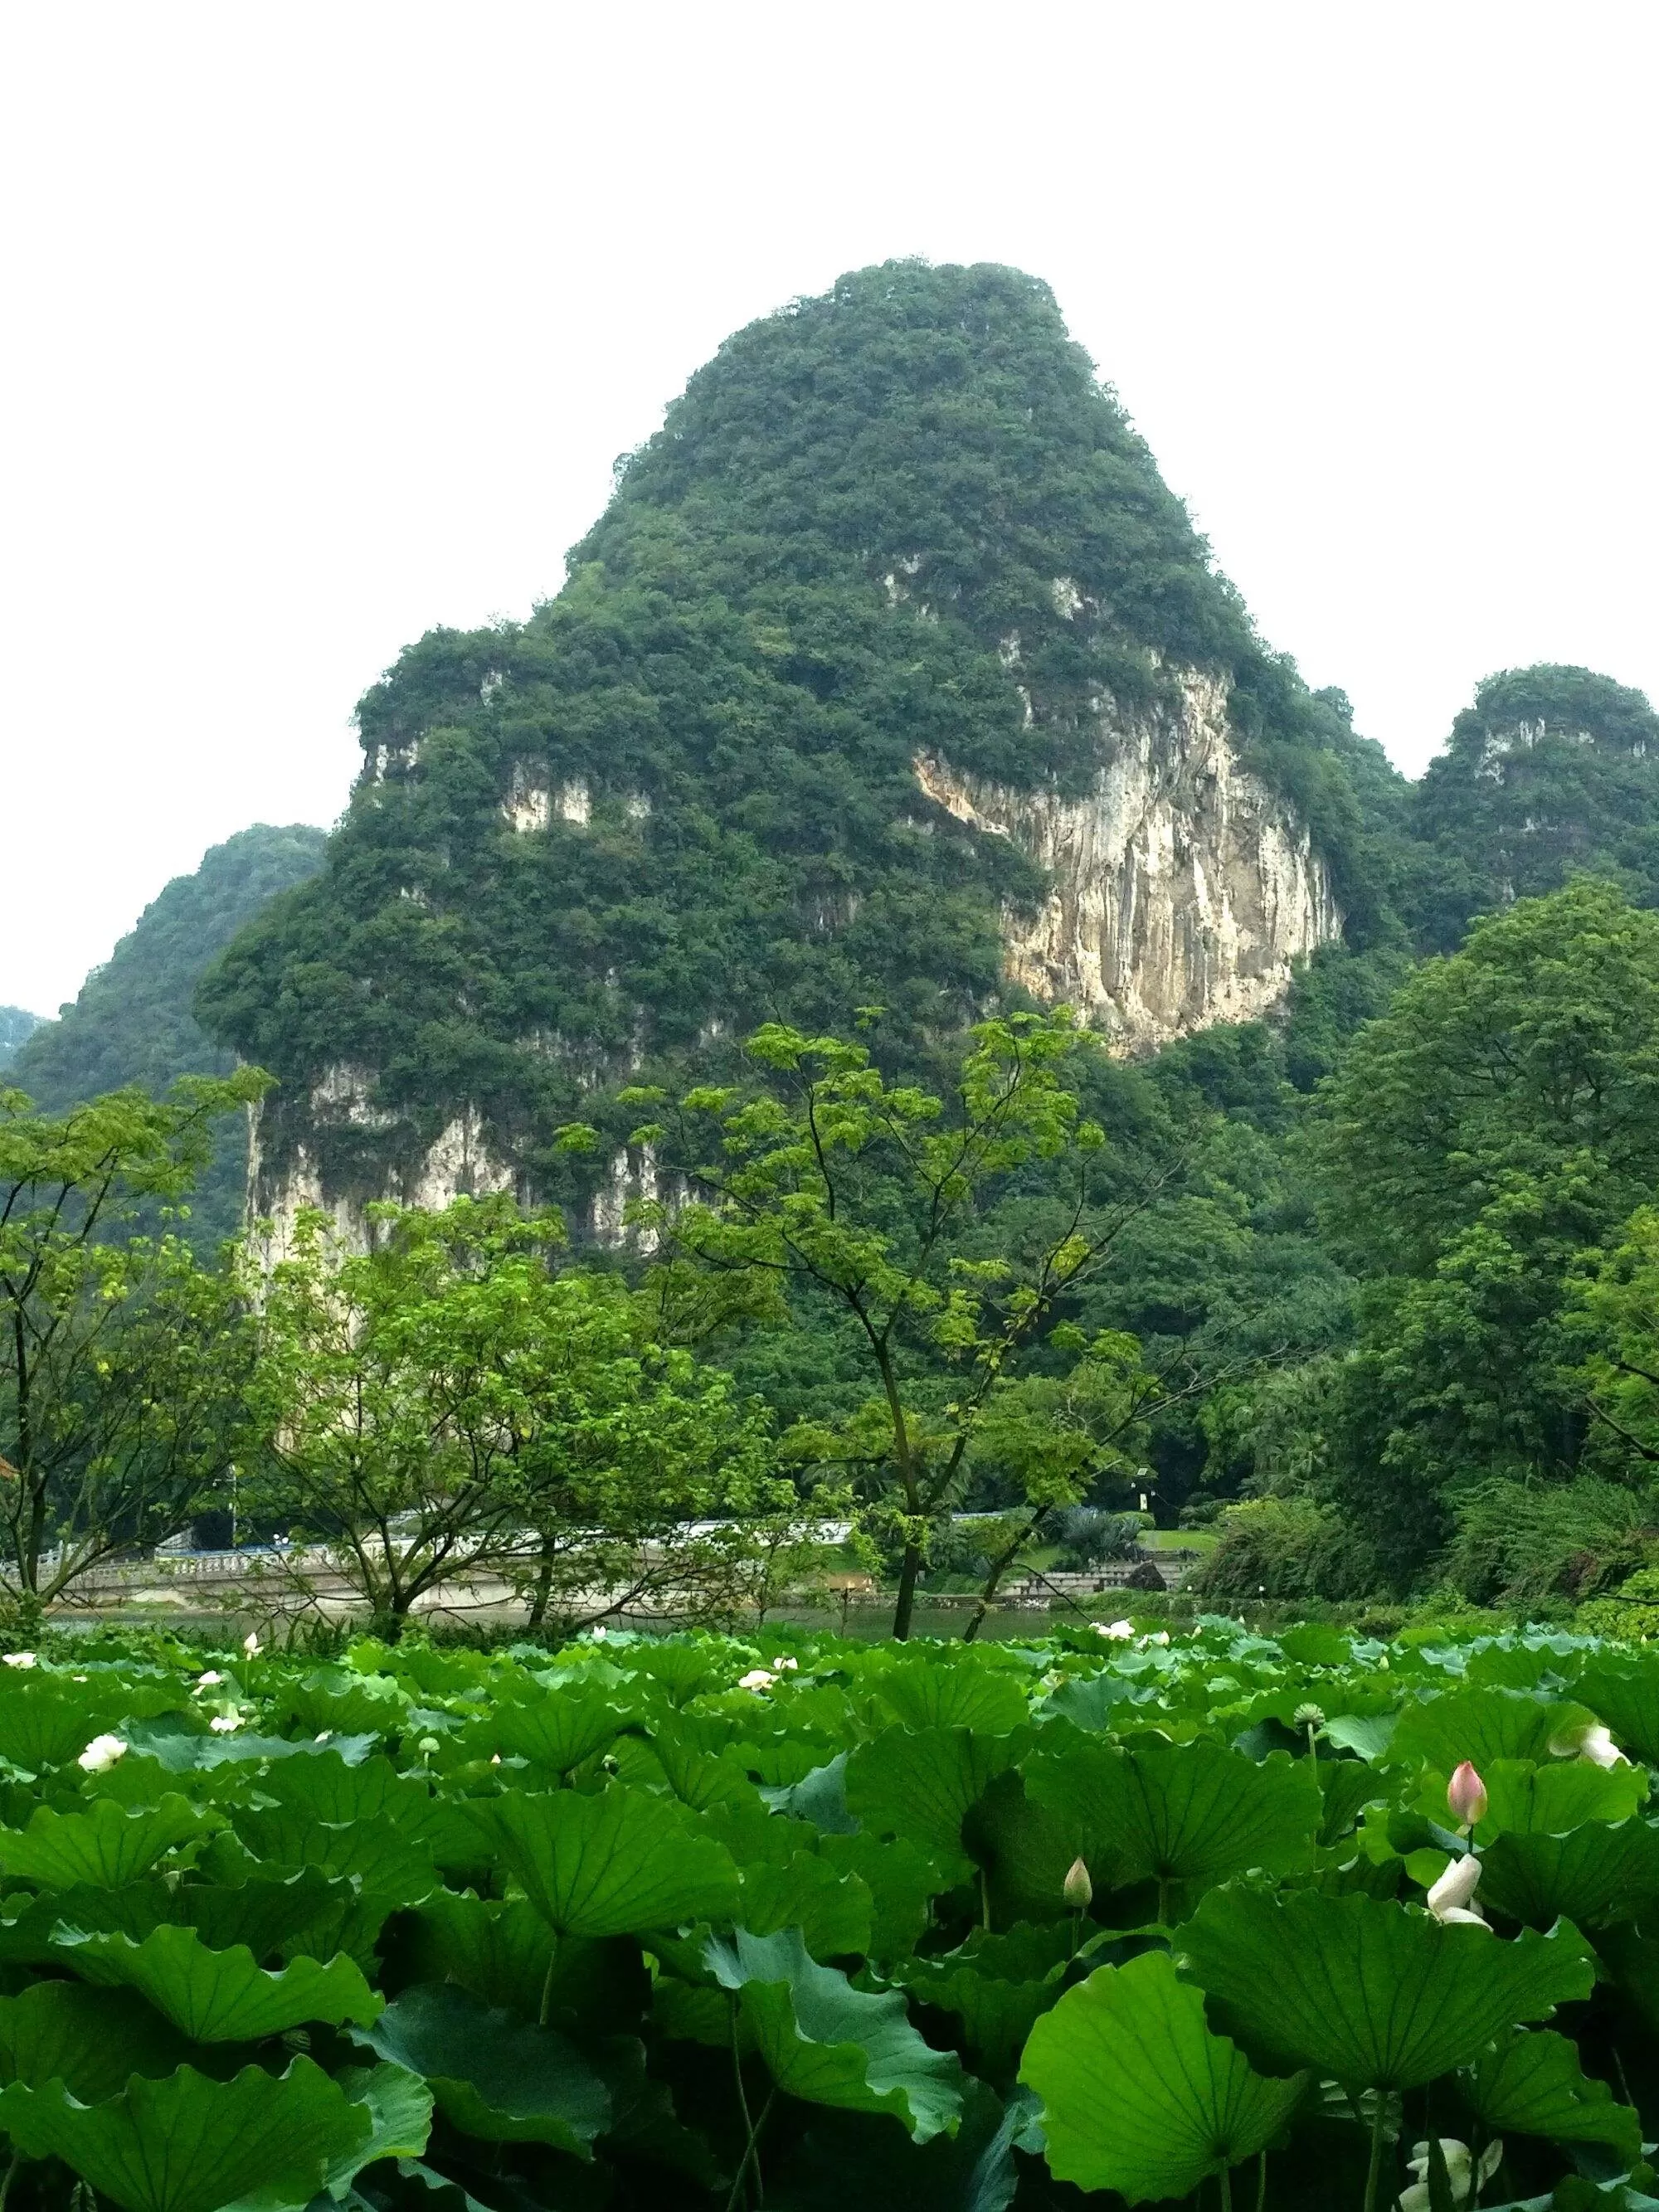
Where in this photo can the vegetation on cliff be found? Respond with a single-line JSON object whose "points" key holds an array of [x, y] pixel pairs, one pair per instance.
{"points": [[132, 1022]]}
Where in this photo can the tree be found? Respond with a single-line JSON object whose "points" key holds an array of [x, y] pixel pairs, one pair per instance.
{"points": [[832, 1184], [120, 1356], [447, 1405], [1501, 1119]]}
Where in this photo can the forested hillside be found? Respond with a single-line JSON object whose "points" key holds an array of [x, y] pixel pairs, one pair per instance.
{"points": [[132, 1021], [896, 574], [903, 520]]}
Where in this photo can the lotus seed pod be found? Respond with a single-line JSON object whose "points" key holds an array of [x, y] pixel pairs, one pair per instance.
{"points": [[1078, 1890], [1465, 1793]]}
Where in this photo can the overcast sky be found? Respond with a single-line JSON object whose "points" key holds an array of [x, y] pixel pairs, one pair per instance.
{"points": [[324, 323]]}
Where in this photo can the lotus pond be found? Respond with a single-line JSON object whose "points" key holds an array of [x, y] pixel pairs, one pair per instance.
{"points": [[801, 1922]]}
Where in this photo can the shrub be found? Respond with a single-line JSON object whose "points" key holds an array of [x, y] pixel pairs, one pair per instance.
{"points": [[1284, 1547], [1090, 1536], [1524, 1543]]}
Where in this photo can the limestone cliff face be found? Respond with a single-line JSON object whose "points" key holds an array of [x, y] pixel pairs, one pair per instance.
{"points": [[1181, 889]]}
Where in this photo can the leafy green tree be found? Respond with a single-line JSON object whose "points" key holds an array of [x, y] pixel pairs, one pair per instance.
{"points": [[120, 1356], [1500, 1120], [447, 1405], [834, 1185]]}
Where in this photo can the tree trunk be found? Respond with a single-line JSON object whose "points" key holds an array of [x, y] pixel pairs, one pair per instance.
{"points": [[541, 1589], [906, 1605], [388, 1623]]}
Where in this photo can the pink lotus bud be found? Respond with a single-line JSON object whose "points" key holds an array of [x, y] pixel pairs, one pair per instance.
{"points": [[1078, 1890], [1465, 1793]]}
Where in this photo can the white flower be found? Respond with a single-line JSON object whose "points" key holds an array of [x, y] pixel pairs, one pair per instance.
{"points": [[324, 1737], [1467, 2179], [495, 1759], [101, 1754], [1592, 1742], [251, 1644], [1449, 1899], [18, 1658], [210, 1681], [599, 1634], [756, 1679], [1161, 1638], [1119, 1631], [225, 1723], [785, 1665]]}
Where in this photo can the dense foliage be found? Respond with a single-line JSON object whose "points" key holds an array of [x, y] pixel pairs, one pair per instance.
{"points": [[131, 1022], [714, 1923]]}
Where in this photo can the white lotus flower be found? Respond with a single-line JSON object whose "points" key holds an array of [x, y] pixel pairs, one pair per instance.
{"points": [[1449, 1899], [757, 1680], [600, 1633], [101, 1754], [18, 1658], [1118, 1631], [1161, 1638], [1466, 2178], [785, 1665], [251, 1644], [225, 1723], [324, 1737], [210, 1681], [1593, 1742]]}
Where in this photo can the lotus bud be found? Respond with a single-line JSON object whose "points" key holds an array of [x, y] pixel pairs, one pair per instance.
{"points": [[251, 1644], [1077, 1889], [1465, 1793]]}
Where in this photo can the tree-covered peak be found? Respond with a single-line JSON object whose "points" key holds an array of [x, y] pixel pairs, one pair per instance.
{"points": [[1552, 771]]}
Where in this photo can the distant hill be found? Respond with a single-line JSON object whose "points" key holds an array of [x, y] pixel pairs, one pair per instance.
{"points": [[14, 1026], [132, 1021]]}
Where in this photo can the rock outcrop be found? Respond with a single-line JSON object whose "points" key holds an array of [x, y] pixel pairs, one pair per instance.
{"points": [[1181, 888]]}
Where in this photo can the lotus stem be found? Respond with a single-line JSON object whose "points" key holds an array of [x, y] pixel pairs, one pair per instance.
{"points": [[1226, 2181], [547, 1985], [1261, 2182], [1374, 2174]]}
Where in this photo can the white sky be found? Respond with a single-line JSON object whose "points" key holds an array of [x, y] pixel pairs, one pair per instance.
{"points": [[324, 324]]}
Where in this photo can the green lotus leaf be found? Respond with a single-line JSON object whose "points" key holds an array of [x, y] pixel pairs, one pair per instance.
{"points": [[399, 2104], [555, 1729], [829, 2043], [1530, 2083], [91, 2039], [494, 2076], [1093, 1705], [337, 1793], [1347, 1786], [1368, 1992], [25, 1938], [699, 1777], [190, 2144], [339, 1699], [619, 1864], [832, 1910], [1368, 1735], [104, 1847], [263, 1913], [1193, 1813], [194, 1750], [376, 1851], [505, 1953], [220, 1997], [996, 2013], [1482, 1725], [902, 1882], [819, 1796], [1596, 1874], [48, 1726], [1622, 1688], [1523, 1799], [921, 1695], [1024, 1851], [919, 1784], [1138, 2095]]}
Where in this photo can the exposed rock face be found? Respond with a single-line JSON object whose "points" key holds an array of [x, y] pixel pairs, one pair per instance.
{"points": [[459, 1163], [1183, 888]]}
